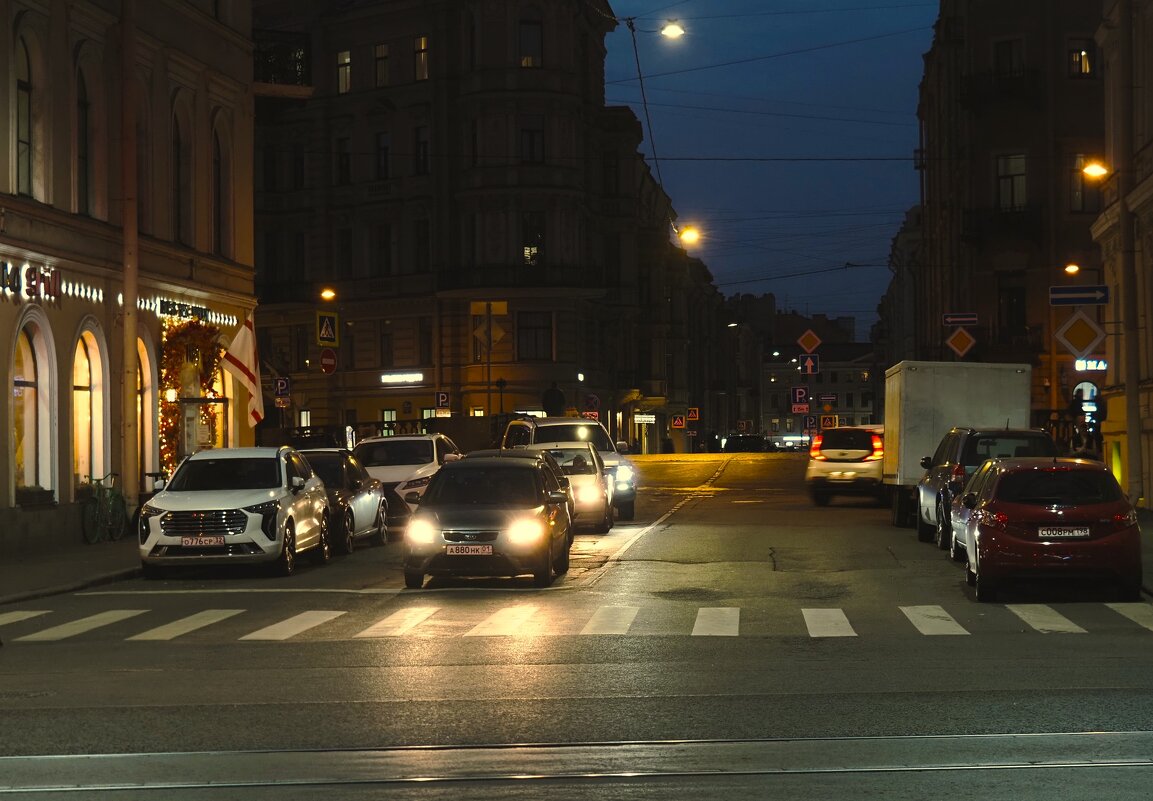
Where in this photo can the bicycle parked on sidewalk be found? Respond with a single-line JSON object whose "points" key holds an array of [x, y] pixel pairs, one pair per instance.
{"points": [[104, 515]]}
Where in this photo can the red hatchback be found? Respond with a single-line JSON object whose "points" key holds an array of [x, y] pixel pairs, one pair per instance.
{"points": [[1065, 518]]}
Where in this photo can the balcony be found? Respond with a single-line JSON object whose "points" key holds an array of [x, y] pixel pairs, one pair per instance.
{"points": [[282, 64]]}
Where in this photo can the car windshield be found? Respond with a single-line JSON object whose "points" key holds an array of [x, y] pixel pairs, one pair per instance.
{"points": [[329, 466], [980, 448], [397, 452], [576, 432], [490, 486], [1058, 487], [198, 475], [574, 461]]}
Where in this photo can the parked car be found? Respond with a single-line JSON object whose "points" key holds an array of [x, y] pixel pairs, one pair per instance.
{"points": [[591, 484], [846, 461], [404, 464], [1050, 517], [958, 454], [356, 502], [489, 516], [531, 430], [542, 455], [234, 506], [745, 443]]}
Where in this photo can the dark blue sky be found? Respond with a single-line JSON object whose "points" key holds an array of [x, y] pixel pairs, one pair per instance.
{"points": [[796, 159]]}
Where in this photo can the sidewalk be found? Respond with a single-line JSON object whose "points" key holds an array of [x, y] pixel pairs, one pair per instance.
{"points": [[82, 565]]}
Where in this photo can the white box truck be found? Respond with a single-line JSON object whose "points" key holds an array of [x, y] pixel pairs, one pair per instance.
{"points": [[923, 400]]}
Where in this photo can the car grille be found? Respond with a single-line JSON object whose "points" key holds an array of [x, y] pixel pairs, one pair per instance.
{"points": [[212, 522], [471, 536]]}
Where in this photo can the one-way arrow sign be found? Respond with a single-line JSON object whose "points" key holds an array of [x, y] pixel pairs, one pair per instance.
{"points": [[810, 364], [1088, 295]]}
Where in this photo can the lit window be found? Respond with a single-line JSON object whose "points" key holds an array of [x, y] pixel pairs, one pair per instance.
{"points": [[420, 58], [531, 43], [343, 71], [1082, 58]]}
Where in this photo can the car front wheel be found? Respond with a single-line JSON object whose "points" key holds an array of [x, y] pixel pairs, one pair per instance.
{"points": [[413, 579], [627, 510], [348, 525], [323, 553], [944, 536], [285, 564]]}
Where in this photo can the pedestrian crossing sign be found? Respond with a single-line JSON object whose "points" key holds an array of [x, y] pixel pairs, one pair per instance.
{"points": [[327, 330]]}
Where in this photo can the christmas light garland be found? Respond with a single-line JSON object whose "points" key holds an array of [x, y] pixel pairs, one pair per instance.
{"points": [[185, 341]]}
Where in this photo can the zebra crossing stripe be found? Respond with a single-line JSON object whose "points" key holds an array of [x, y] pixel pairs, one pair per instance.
{"points": [[611, 620], [171, 631], [827, 623], [502, 623], [1141, 614], [717, 621], [1045, 619], [16, 617], [84, 624], [932, 620], [400, 622], [293, 625]]}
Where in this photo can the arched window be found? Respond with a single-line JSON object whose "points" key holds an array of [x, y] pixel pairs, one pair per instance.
{"points": [[25, 411], [87, 411], [24, 150], [83, 147], [147, 413], [181, 187], [220, 198]]}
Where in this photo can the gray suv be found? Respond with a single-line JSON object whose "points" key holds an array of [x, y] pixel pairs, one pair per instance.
{"points": [[959, 454]]}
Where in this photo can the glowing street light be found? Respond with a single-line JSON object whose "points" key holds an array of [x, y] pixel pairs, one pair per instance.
{"points": [[673, 29], [689, 235], [1095, 169], [328, 293], [1072, 269]]}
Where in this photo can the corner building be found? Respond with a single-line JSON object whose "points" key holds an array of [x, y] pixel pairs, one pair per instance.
{"points": [[64, 203], [451, 172]]}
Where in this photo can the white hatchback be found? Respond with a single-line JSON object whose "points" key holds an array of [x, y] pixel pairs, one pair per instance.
{"points": [[236, 505]]}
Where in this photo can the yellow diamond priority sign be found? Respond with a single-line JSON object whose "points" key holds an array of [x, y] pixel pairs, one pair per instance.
{"points": [[961, 341], [1081, 335], [809, 341]]}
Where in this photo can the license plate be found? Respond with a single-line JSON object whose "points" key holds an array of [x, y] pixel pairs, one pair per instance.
{"points": [[468, 550], [1063, 532], [201, 542]]}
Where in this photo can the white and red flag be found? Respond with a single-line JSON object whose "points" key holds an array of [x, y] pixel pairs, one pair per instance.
{"points": [[241, 360]]}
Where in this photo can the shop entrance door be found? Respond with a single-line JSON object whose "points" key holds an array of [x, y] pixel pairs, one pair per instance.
{"points": [[203, 424]]}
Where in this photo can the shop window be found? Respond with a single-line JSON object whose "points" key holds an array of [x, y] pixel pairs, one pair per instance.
{"points": [[32, 398], [88, 413]]}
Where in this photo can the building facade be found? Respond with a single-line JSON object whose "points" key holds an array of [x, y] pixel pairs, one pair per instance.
{"points": [[1011, 108], [486, 225], [94, 210]]}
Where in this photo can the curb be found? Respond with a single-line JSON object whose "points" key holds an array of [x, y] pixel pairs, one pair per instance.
{"points": [[81, 584]]}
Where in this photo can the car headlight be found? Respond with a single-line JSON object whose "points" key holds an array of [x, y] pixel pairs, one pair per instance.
{"points": [[421, 532], [416, 483], [525, 531], [268, 512], [625, 474], [589, 494], [147, 512]]}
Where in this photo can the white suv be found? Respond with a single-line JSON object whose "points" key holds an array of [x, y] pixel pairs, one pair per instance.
{"points": [[542, 430], [404, 464], [236, 505], [846, 461]]}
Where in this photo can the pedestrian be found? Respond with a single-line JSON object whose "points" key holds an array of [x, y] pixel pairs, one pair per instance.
{"points": [[553, 401]]}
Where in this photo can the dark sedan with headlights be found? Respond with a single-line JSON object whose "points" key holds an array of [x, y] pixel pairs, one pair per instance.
{"points": [[489, 516], [355, 499]]}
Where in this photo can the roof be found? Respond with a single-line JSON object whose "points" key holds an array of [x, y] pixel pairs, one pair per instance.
{"points": [[262, 452]]}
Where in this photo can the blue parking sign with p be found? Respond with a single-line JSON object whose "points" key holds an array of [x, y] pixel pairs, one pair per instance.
{"points": [[442, 400], [800, 394]]}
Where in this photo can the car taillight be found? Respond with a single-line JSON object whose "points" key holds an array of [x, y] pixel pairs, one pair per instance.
{"points": [[958, 473], [878, 450], [815, 450], [996, 520], [1123, 521]]}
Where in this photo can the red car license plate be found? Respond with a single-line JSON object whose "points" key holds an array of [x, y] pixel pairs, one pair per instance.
{"points": [[1063, 532], [468, 550], [201, 542]]}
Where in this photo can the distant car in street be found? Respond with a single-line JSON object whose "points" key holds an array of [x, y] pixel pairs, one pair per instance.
{"points": [[489, 516], [745, 443], [530, 430], [846, 461], [1057, 518], [404, 464], [356, 500], [958, 454], [591, 484], [235, 506]]}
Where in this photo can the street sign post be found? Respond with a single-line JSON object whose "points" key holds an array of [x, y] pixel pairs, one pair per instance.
{"points": [[959, 318], [1087, 295]]}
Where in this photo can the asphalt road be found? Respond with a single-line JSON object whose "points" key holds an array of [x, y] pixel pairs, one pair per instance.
{"points": [[733, 640]]}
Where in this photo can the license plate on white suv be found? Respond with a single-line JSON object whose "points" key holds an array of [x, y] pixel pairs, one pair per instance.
{"points": [[1063, 532], [468, 550], [201, 542]]}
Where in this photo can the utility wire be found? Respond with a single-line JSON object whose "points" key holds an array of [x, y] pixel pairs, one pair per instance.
{"points": [[645, 101]]}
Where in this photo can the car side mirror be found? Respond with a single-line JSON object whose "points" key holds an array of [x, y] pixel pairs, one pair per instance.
{"points": [[926, 462], [970, 500], [296, 484], [450, 457], [412, 497], [159, 484], [556, 496]]}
